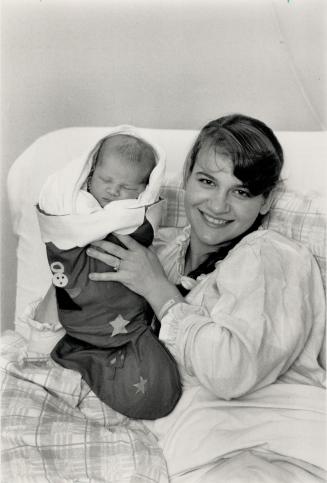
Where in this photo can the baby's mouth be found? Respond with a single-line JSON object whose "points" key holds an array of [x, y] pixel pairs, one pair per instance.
{"points": [[105, 201]]}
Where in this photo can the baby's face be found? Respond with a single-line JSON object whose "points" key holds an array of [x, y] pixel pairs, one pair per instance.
{"points": [[116, 178]]}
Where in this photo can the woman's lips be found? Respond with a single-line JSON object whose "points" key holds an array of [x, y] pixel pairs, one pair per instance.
{"points": [[214, 221]]}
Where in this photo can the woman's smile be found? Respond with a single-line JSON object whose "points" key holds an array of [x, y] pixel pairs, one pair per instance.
{"points": [[214, 221], [218, 205]]}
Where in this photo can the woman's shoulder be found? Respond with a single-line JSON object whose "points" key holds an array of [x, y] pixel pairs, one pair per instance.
{"points": [[270, 246], [267, 257], [262, 237]]}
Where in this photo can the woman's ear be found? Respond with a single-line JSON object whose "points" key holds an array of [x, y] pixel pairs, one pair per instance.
{"points": [[267, 202]]}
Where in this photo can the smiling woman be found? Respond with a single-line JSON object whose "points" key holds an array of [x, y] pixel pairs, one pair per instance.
{"points": [[240, 308], [229, 175], [223, 331], [218, 206]]}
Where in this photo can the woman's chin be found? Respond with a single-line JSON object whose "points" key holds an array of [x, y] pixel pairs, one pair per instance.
{"points": [[213, 238], [215, 235]]}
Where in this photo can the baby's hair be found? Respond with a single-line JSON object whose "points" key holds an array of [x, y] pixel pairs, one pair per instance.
{"points": [[129, 147]]}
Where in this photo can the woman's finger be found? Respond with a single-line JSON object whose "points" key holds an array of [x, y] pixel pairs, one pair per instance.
{"points": [[109, 260], [105, 277], [109, 248], [128, 241]]}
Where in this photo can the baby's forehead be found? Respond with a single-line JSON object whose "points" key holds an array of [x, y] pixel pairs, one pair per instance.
{"points": [[124, 143], [127, 148], [117, 141]]}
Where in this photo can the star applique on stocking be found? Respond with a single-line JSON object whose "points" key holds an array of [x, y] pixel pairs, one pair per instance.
{"points": [[140, 386], [119, 325]]}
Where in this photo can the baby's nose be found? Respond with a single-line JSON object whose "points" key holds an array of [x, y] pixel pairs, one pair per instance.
{"points": [[113, 189]]}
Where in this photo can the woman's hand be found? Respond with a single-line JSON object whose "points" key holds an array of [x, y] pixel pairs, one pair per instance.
{"points": [[138, 268]]}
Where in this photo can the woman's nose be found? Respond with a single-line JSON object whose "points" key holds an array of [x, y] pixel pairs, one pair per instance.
{"points": [[219, 203]]}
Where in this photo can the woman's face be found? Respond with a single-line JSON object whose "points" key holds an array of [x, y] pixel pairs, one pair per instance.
{"points": [[218, 206]]}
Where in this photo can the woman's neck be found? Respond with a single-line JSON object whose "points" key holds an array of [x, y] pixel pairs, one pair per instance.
{"points": [[196, 255], [193, 260]]}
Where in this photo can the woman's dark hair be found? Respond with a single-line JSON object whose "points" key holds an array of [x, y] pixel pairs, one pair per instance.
{"points": [[255, 151]]}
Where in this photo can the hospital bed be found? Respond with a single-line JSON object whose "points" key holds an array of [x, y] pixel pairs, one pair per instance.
{"points": [[54, 429]]}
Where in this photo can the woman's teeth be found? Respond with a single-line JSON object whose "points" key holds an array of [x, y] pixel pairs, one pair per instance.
{"points": [[215, 221]]}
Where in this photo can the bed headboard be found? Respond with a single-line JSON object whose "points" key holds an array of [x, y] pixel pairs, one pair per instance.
{"points": [[305, 172]]}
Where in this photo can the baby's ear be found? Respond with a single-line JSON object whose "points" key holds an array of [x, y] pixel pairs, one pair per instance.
{"points": [[267, 202]]}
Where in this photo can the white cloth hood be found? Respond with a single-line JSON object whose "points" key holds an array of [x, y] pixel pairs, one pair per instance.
{"points": [[60, 218], [59, 194]]}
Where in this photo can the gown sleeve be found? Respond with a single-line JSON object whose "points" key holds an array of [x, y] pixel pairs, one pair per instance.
{"points": [[246, 323]]}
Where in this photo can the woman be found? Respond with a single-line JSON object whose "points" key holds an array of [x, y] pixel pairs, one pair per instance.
{"points": [[240, 308]]}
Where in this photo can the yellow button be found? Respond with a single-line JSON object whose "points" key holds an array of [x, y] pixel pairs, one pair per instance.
{"points": [[60, 280], [57, 267]]}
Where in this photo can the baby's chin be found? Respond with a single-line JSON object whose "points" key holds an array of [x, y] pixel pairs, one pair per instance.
{"points": [[105, 201]]}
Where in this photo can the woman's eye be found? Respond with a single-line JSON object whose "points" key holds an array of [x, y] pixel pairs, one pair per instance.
{"points": [[206, 181], [243, 193]]}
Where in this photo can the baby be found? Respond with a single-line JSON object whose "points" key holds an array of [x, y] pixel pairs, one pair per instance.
{"points": [[108, 336], [121, 169]]}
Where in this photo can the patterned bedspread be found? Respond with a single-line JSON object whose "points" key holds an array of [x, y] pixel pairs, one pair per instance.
{"points": [[55, 430]]}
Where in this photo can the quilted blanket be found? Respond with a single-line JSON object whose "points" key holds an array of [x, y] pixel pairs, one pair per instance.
{"points": [[54, 429]]}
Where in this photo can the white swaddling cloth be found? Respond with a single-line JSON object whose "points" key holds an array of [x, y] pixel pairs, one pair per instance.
{"points": [[78, 218]]}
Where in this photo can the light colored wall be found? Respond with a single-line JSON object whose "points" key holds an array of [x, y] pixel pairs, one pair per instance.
{"points": [[154, 63]]}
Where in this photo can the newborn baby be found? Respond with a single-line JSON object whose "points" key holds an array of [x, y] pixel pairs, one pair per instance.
{"points": [[114, 187]]}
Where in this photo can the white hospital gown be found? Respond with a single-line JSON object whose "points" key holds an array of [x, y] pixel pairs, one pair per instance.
{"points": [[258, 317], [246, 341]]}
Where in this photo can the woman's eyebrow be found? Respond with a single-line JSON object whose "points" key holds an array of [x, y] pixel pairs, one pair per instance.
{"points": [[205, 173], [239, 184]]}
